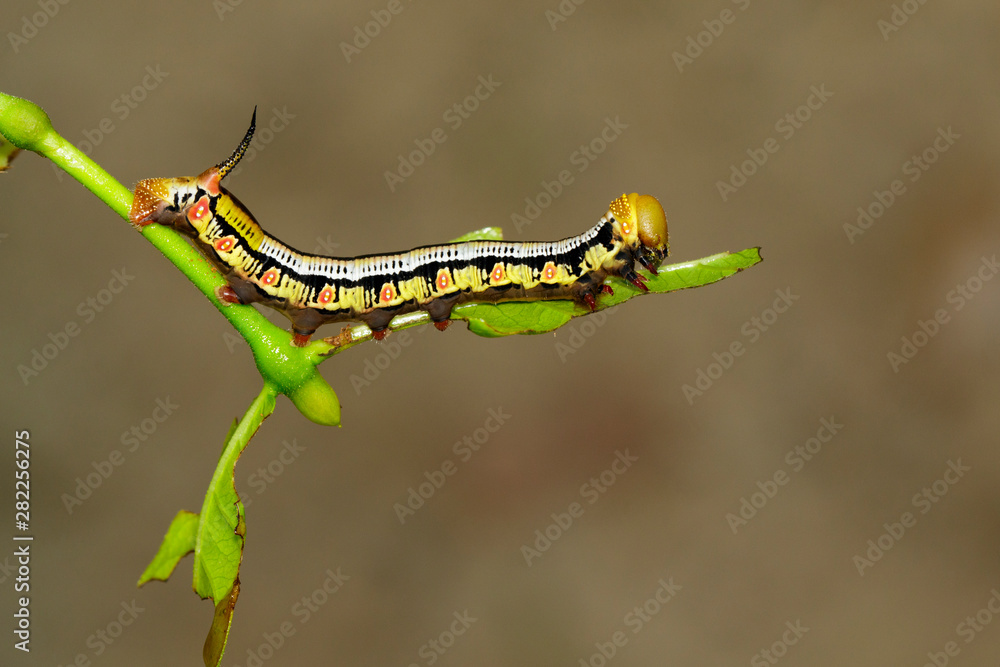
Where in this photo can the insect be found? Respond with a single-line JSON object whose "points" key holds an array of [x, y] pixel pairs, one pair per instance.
{"points": [[312, 290]]}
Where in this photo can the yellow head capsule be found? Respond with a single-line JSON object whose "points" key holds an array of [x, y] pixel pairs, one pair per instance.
{"points": [[651, 220]]}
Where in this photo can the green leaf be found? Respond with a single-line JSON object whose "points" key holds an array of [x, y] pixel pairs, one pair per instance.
{"points": [[218, 634], [484, 234], [177, 543], [219, 542], [218, 549], [505, 319]]}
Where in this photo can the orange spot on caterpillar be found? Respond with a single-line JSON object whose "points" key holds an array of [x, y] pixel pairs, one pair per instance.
{"points": [[498, 273], [300, 340], [326, 296], [441, 326], [199, 209], [387, 294], [225, 244], [270, 277], [443, 281], [549, 272], [380, 334]]}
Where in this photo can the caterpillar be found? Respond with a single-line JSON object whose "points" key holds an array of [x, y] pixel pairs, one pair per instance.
{"points": [[312, 290]]}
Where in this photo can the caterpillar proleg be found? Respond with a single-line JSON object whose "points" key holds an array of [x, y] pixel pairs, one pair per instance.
{"points": [[312, 290]]}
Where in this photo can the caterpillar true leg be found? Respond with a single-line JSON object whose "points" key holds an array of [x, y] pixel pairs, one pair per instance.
{"points": [[312, 290]]}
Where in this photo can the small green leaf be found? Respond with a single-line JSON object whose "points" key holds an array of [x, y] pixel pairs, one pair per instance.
{"points": [[218, 547], [218, 635], [219, 542], [534, 317], [177, 543], [484, 234]]}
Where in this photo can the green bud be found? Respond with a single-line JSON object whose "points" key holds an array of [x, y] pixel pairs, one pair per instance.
{"points": [[23, 123], [317, 401]]}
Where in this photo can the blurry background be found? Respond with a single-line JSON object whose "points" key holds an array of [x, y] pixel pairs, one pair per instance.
{"points": [[690, 90]]}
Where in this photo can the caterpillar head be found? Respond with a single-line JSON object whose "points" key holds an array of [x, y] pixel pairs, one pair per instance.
{"points": [[162, 200], [184, 203], [641, 218]]}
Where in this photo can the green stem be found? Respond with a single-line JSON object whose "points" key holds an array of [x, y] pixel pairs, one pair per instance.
{"points": [[290, 369]]}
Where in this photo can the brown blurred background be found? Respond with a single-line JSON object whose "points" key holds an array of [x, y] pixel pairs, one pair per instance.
{"points": [[318, 182]]}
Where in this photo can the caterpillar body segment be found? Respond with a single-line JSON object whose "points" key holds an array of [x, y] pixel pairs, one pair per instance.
{"points": [[312, 290]]}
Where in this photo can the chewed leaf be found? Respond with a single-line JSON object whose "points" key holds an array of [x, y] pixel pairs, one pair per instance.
{"points": [[177, 543], [514, 317], [505, 319], [218, 635], [221, 528]]}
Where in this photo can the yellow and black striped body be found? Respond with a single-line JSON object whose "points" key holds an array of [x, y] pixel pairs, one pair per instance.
{"points": [[312, 290]]}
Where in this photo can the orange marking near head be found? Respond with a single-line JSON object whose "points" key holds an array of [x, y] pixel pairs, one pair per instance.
{"points": [[498, 273], [325, 296], [388, 293], [270, 277], [199, 209], [225, 244], [443, 281]]}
